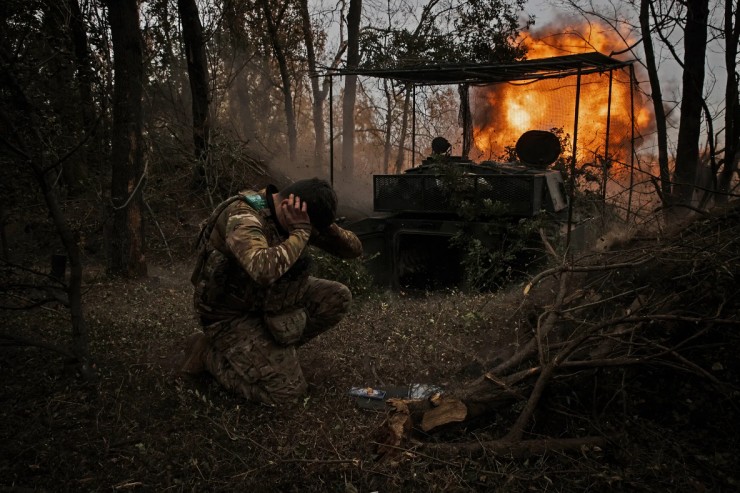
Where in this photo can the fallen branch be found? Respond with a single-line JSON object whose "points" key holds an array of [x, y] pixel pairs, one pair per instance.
{"points": [[589, 322], [528, 349], [583, 268], [517, 449], [680, 318]]}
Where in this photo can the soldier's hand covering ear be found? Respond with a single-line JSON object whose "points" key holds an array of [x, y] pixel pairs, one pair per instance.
{"points": [[295, 213]]}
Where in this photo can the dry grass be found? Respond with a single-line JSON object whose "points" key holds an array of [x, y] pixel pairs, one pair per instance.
{"points": [[141, 427]]}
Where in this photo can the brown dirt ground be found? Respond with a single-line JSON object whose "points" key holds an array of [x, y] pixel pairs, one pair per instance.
{"points": [[140, 426]]}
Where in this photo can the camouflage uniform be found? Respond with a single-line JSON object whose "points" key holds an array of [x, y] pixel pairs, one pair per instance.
{"points": [[257, 302]]}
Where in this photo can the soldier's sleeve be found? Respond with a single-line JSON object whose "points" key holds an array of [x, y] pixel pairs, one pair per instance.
{"points": [[246, 239], [338, 242]]}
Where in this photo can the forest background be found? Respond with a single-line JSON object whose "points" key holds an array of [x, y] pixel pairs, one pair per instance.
{"points": [[124, 123]]}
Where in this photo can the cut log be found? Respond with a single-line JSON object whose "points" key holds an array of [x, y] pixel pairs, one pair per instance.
{"points": [[448, 411]]}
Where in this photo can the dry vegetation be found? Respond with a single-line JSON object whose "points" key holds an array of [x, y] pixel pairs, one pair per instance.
{"points": [[618, 372]]}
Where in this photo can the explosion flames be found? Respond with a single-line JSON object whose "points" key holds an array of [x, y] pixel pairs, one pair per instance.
{"points": [[503, 112]]}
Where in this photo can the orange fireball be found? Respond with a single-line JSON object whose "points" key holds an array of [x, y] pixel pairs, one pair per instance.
{"points": [[502, 112]]}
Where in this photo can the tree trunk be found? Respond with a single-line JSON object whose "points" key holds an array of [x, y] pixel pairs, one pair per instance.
{"points": [[350, 84], [687, 151], [195, 54], [79, 345], [732, 101], [657, 97], [466, 119], [404, 130], [85, 76], [33, 155], [126, 243], [61, 83], [273, 25], [318, 94], [389, 99]]}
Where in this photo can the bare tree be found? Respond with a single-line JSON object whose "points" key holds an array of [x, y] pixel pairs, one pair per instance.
{"points": [[404, 129], [693, 18], [318, 94], [656, 96], [732, 100], [390, 100], [126, 238], [477, 31], [195, 54], [62, 67], [350, 84], [273, 29], [23, 137], [687, 151], [84, 77]]}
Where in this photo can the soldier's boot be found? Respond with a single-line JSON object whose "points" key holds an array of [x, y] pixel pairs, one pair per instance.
{"points": [[195, 350]]}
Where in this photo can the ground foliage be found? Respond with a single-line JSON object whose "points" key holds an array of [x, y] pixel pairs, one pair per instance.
{"points": [[670, 424]]}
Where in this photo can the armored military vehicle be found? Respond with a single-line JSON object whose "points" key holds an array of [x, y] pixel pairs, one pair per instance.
{"points": [[417, 214]]}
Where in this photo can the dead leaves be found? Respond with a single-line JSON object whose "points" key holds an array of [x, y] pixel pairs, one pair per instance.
{"points": [[395, 428]]}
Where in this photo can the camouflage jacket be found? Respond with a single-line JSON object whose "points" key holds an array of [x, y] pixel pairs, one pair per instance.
{"points": [[252, 259]]}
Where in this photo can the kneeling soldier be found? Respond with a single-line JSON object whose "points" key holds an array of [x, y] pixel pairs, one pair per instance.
{"points": [[253, 293]]}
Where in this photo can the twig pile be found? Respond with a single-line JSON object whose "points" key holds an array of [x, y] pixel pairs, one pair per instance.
{"points": [[656, 301]]}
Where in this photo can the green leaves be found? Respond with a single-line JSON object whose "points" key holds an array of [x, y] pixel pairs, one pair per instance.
{"points": [[474, 31], [352, 273]]}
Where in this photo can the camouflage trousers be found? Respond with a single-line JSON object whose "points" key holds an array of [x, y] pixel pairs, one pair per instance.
{"points": [[245, 358]]}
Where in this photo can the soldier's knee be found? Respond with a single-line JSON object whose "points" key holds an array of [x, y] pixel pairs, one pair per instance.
{"points": [[337, 305], [344, 295]]}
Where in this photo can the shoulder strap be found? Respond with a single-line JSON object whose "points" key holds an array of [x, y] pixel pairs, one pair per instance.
{"points": [[205, 233], [210, 223]]}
